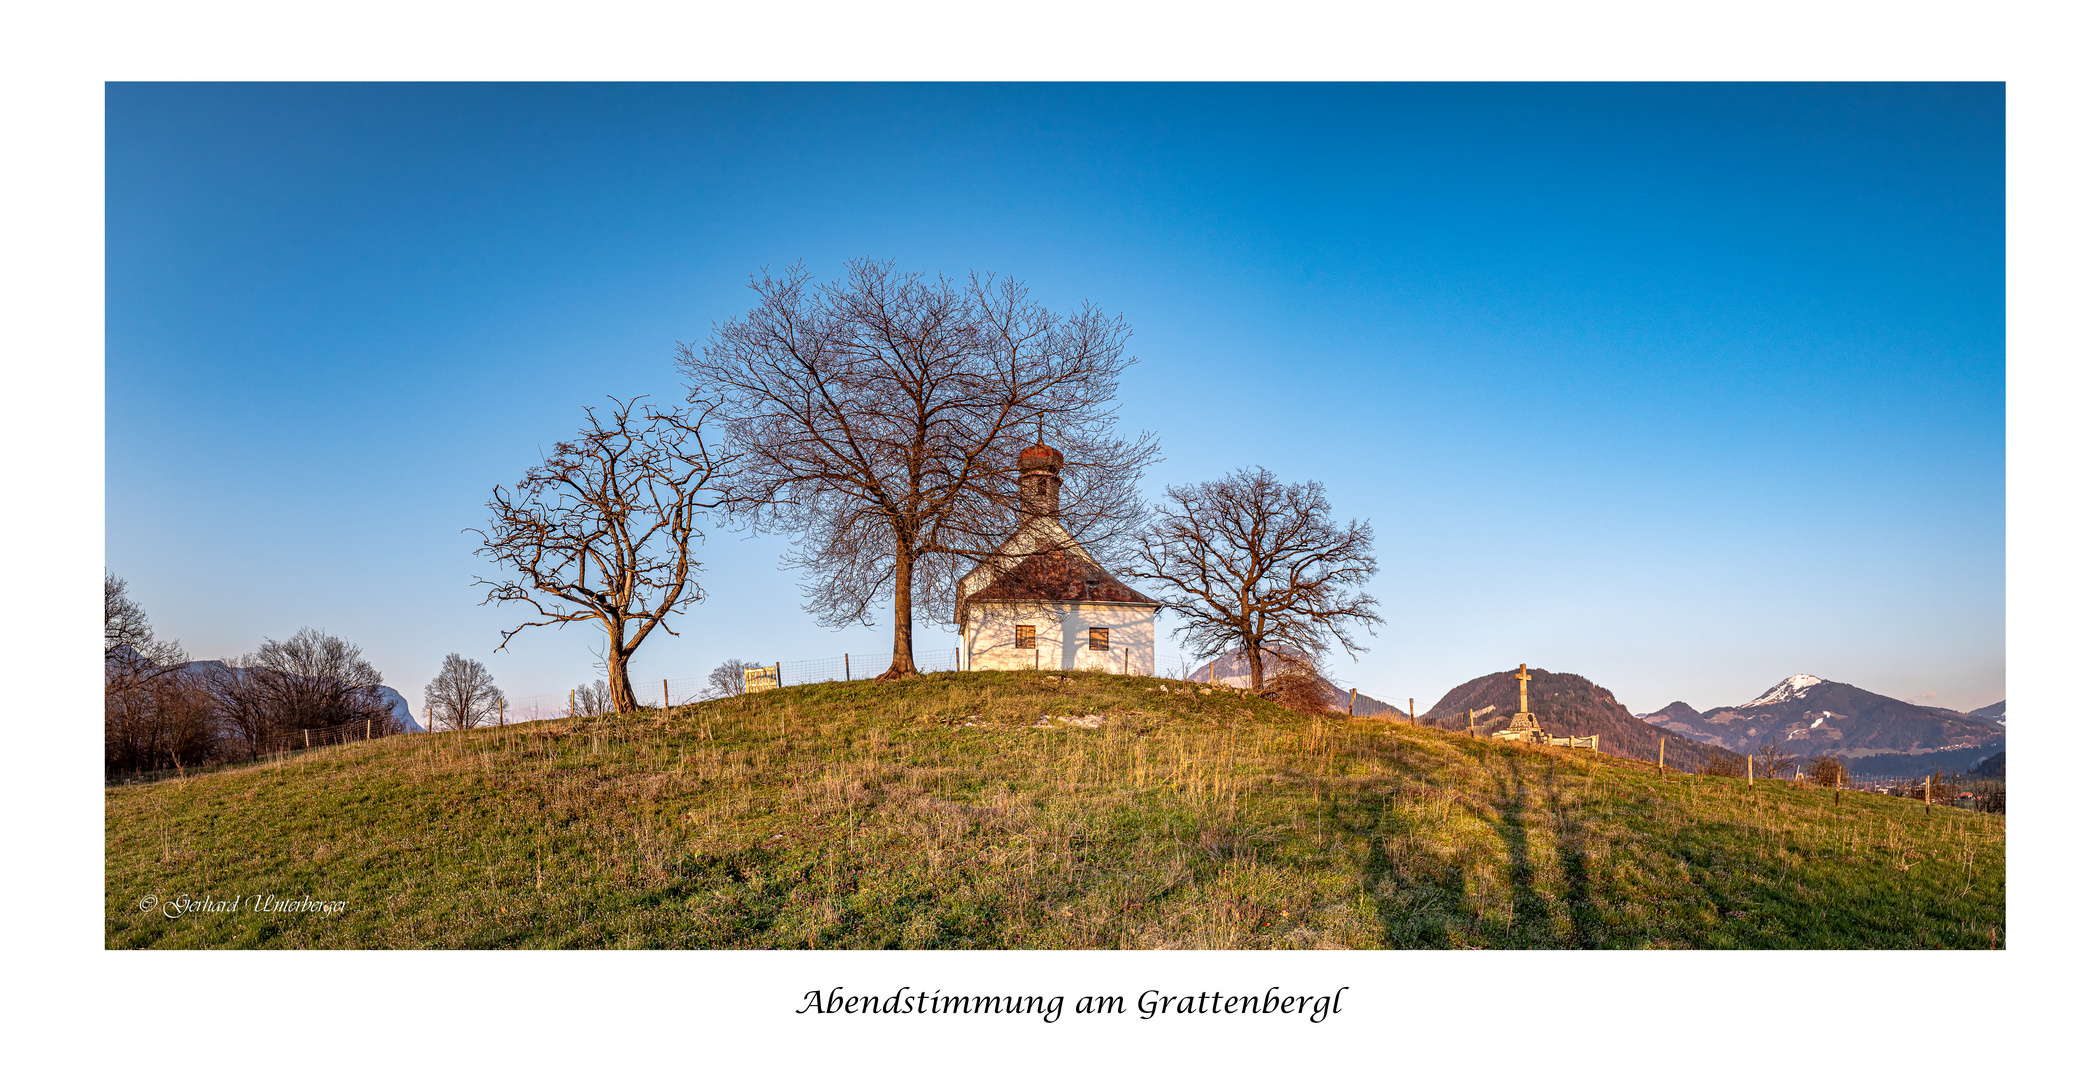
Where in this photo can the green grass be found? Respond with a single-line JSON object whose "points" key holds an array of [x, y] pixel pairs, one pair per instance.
{"points": [[936, 813]]}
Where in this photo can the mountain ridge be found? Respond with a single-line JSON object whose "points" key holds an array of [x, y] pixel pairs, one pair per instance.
{"points": [[1813, 715]]}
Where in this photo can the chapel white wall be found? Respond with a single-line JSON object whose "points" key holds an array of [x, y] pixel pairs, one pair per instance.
{"points": [[1060, 636]]}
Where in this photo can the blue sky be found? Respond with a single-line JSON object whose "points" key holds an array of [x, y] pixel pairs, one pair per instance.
{"points": [[1683, 388]]}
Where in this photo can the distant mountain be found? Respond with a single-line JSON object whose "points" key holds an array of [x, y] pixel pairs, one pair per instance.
{"points": [[1565, 704], [1989, 712], [1675, 710], [1989, 766], [1814, 715], [402, 715]]}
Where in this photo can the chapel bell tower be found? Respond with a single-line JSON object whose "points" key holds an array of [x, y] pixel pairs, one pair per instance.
{"points": [[1040, 486]]}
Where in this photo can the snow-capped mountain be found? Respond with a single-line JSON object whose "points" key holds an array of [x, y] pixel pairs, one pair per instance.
{"points": [[1813, 715], [1793, 688]]}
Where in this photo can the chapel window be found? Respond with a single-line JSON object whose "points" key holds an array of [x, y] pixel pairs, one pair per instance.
{"points": [[1097, 637], [1023, 637]]}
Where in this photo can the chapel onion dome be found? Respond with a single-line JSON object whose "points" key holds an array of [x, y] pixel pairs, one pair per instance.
{"points": [[1041, 456]]}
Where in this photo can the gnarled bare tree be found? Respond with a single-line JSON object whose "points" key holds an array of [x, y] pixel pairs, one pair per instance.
{"points": [[879, 419], [1250, 562], [602, 530]]}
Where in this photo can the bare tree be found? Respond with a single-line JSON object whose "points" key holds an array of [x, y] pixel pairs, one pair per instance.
{"points": [[880, 419], [124, 622], [317, 680], [592, 699], [462, 696], [602, 530], [1772, 760], [309, 681], [1827, 770], [130, 651], [726, 680], [1248, 562], [154, 713], [243, 703], [1297, 683], [159, 721]]}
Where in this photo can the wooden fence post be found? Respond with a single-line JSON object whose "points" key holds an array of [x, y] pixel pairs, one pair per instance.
{"points": [[1410, 712], [1927, 796], [849, 667], [666, 699], [1470, 728], [308, 733], [1351, 701], [958, 658], [1751, 759], [1661, 757], [1125, 659]]}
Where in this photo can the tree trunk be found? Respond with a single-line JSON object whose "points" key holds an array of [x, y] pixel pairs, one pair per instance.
{"points": [[616, 671], [1253, 666], [900, 662]]}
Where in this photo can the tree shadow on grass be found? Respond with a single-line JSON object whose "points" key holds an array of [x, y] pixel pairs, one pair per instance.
{"points": [[1413, 913], [1569, 836], [1530, 921]]}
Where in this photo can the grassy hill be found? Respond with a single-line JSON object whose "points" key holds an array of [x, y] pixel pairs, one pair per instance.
{"points": [[943, 812]]}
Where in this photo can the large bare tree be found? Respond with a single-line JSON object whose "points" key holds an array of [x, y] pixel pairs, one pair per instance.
{"points": [[309, 680], [1253, 563], [602, 530], [880, 419]]}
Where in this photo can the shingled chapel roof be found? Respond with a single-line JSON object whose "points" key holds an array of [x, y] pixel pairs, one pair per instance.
{"points": [[1059, 576]]}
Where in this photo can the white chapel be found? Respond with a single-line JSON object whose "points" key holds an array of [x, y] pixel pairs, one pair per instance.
{"points": [[1043, 602]]}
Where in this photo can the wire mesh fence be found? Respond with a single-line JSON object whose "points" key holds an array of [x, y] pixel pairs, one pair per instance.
{"points": [[693, 689], [287, 740]]}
